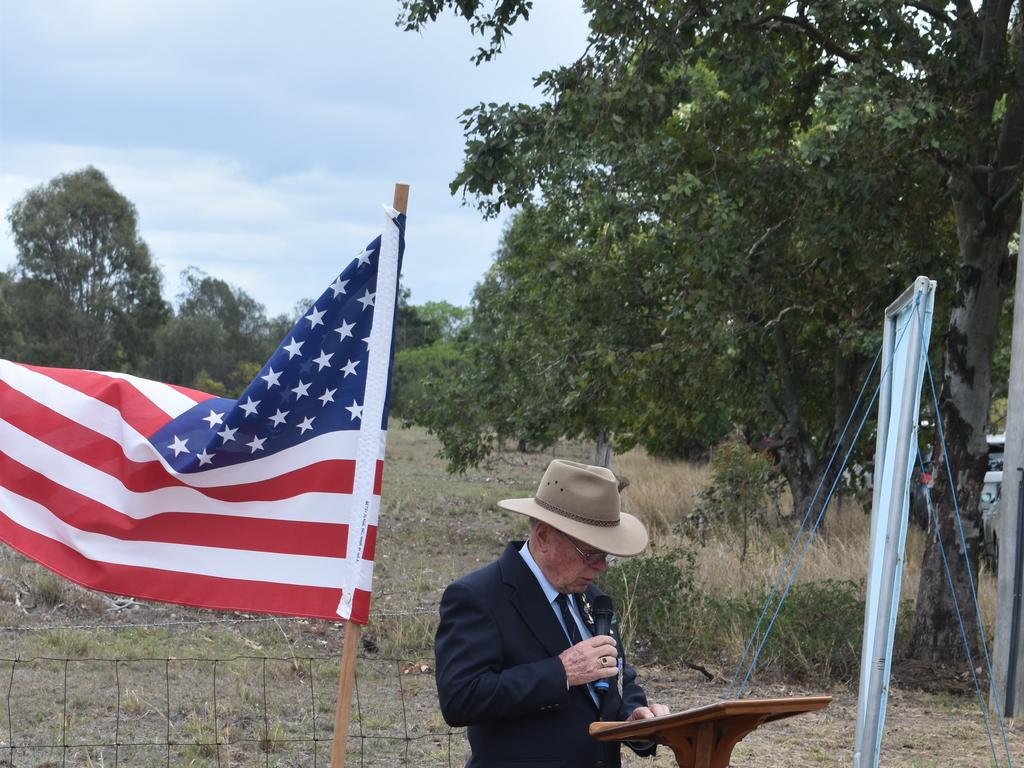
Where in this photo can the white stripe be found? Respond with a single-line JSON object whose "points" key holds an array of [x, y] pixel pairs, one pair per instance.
{"points": [[106, 420], [91, 413], [110, 491], [303, 570]]}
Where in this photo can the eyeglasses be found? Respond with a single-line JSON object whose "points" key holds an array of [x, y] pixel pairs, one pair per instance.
{"points": [[590, 558]]}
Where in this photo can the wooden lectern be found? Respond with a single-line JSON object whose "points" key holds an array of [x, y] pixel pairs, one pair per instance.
{"points": [[704, 737]]}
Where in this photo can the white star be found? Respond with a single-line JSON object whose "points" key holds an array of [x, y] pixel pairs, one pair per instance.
{"points": [[214, 419], [338, 286], [366, 299], [278, 417], [178, 446], [204, 457], [228, 434], [249, 406], [272, 377], [356, 410], [366, 341], [315, 317], [301, 390], [327, 396], [364, 257], [306, 424], [345, 329], [350, 367], [324, 360], [294, 348], [257, 444]]}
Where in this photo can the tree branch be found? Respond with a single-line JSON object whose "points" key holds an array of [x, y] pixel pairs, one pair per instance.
{"points": [[964, 10], [931, 10], [778, 318], [1007, 196], [774, 21]]}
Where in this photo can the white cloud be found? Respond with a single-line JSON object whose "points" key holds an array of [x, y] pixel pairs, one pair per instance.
{"points": [[257, 140]]}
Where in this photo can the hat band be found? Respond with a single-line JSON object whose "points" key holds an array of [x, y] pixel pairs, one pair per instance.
{"points": [[577, 518]]}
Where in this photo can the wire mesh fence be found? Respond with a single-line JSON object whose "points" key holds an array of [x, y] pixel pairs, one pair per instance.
{"points": [[215, 709]]}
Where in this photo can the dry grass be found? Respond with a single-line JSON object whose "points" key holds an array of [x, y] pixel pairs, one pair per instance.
{"points": [[663, 493], [434, 527]]}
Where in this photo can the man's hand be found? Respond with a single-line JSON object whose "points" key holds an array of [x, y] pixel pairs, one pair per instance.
{"points": [[642, 713], [590, 660]]}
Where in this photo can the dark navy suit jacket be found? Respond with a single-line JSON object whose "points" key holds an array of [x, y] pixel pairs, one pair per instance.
{"points": [[498, 672]]}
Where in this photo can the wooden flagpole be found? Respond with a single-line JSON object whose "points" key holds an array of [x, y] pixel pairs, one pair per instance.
{"points": [[350, 643]]}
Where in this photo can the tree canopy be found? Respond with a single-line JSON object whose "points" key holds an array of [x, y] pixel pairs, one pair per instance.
{"points": [[751, 183], [85, 291]]}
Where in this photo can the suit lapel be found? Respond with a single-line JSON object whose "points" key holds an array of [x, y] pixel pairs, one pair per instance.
{"points": [[528, 599]]}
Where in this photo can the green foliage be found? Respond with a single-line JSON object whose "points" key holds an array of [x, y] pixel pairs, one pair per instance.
{"points": [[426, 324], [217, 340], [415, 376], [11, 340], [741, 481], [657, 604], [816, 636], [49, 589], [1001, 369], [722, 215], [85, 292], [665, 619]]}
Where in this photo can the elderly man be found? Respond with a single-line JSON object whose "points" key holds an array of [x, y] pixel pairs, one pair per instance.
{"points": [[517, 654]]}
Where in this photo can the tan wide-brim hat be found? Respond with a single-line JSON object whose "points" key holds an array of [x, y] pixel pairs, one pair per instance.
{"points": [[583, 501]]}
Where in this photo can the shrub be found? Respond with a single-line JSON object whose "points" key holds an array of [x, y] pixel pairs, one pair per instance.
{"points": [[49, 589], [817, 635], [742, 482], [657, 604]]}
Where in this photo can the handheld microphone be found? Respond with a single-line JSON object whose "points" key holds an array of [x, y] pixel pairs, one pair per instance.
{"points": [[602, 626]]}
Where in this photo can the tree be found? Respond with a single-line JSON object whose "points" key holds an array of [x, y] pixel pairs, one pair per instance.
{"points": [[424, 353], [217, 340], [86, 293], [800, 138], [10, 337]]}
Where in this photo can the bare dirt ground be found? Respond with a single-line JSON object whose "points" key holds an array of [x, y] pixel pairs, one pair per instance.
{"points": [[923, 730]]}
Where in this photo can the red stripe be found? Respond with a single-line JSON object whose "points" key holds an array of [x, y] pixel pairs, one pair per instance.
{"points": [[199, 529], [106, 455], [370, 545], [135, 408], [182, 588]]}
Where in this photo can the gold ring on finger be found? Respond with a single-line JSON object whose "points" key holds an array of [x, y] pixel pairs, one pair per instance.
{"points": [[604, 661]]}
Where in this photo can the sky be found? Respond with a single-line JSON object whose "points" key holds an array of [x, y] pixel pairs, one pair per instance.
{"points": [[258, 140]]}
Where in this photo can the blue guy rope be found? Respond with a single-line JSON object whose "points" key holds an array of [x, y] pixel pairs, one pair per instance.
{"points": [[970, 581], [770, 600], [806, 547], [796, 539]]}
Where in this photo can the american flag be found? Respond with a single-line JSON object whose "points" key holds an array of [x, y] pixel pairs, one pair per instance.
{"points": [[268, 503]]}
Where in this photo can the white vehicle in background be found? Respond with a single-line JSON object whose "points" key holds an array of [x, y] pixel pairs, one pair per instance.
{"points": [[992, 494]]}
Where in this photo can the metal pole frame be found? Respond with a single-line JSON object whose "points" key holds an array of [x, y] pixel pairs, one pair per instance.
{"points": [[880, 625]]}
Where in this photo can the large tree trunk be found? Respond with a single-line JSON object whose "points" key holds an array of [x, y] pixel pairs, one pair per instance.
{"points": [[963, 407], [812, 467], [985, 189]]}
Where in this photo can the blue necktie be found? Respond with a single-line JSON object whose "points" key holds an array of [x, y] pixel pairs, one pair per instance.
{"points": [[571, 627]]}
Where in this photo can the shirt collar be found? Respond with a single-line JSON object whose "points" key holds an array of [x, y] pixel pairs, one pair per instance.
{"points": [[549, 591]]}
